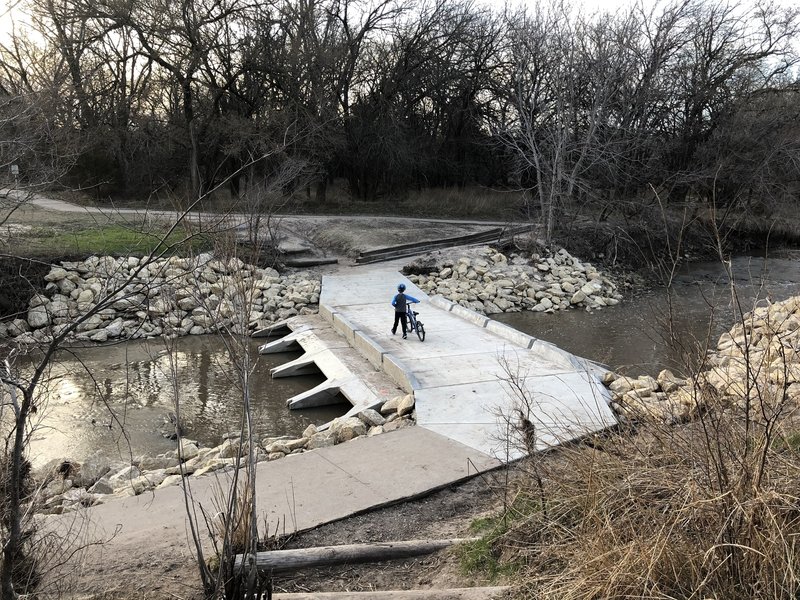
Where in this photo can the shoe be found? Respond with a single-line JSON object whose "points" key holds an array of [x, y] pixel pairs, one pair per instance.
{"points": [[394, 332], [405, 337]]}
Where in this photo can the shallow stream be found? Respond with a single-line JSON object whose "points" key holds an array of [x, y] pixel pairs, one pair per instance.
{"points": [[694, 311], [116, 400]]}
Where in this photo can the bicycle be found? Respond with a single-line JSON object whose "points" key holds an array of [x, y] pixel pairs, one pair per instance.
{"points": [[414, 324]]}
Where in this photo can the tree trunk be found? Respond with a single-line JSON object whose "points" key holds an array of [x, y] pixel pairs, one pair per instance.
{"points": [[324, 556], [13, 516]]}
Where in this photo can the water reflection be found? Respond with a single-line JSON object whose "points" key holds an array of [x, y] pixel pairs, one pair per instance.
{"points": [[115, 399], [666, 328]]}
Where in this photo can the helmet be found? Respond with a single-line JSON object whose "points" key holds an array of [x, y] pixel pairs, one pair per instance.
{"points": [[401, 287]]}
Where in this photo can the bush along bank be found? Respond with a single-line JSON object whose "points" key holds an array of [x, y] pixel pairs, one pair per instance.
{"points": [[66, 485], [170, 296], [754, 367], [489, 282]]}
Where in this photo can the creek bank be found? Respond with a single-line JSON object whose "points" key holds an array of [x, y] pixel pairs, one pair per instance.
{"points": [[134, 298], [755, 366], [66, 485]]}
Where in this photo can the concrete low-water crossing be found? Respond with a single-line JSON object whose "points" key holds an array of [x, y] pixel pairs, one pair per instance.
{"points": [[473, 379]]}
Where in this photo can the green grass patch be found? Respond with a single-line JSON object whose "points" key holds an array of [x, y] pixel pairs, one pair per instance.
{"points": [[115, 240], [788, 443], [484, 556]]}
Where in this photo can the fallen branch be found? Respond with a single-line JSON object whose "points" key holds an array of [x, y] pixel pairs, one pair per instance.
{"points": [[325, 556]]}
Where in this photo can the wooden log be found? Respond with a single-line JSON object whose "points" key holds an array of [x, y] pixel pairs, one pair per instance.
{"points": [[324, 556]]}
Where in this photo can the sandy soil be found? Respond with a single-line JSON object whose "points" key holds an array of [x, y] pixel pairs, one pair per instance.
{"points": [[444, 514]]}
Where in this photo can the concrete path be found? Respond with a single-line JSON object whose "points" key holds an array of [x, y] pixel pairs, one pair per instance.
{"points": [[296, 493], [471, 374]]}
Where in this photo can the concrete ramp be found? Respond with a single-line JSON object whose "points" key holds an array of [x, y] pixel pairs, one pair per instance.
{"points": [[476, 381]]}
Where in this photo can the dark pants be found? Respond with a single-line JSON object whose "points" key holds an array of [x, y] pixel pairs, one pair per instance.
{"points": [[401, 317]]}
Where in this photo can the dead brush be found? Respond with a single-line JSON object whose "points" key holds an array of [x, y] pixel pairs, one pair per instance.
{"points": [[706, 509]]}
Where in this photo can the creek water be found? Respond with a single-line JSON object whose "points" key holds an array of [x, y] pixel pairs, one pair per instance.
{"points": [[114, 400], [667, 327]]}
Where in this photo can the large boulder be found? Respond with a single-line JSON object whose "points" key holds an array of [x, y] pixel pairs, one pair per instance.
{"points": [[38, 317]]}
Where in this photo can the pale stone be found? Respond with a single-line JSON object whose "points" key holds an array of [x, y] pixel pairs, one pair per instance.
{"points": [[100, 336], [56, 274], [645, 383], [170, 480], [371, 417], [668, 382], [115, 328], [279, 446], [92, 469], [229, 449], [149, 463], [128, 473], [102, 486], [621, 385], [38, 317], [578, 297], [189, 450], [406, 405], [85, 296], [292, 445], [348, 429], [309, 431], [397, 424], [377, 430], [390, 406], [322, 439]]}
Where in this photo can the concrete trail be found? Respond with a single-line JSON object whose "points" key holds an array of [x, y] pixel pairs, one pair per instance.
{"points": [[471, 374]]}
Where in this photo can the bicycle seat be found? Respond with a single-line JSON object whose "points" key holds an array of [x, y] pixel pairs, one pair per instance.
{"points": [[415, 313]]}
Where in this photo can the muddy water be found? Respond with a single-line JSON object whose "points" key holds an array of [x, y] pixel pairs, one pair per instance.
{"points": [[666, 327], [114, 400]]}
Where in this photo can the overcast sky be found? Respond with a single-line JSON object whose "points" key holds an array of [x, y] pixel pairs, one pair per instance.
{"points": [[7, 8]]}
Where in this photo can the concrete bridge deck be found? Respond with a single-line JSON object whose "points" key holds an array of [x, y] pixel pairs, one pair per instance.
{"points": [[470, 376]]}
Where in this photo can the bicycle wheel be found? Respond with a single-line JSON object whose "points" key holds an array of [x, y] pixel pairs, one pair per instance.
{"points": [[420, 332]]}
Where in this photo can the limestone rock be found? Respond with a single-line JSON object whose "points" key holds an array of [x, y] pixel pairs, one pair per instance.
{"points": [[397, 424], [322, 439], [189, 449], [102, 486], [371, 417], [38, 317], [170, 480], [406, 405], [390, 406], [347, 429]]}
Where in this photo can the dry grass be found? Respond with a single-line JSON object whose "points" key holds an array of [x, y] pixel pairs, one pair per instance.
{"points": [[705, 510]]}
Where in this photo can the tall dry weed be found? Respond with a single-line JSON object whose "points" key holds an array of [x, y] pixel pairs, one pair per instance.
{"points": [[707, 509]]}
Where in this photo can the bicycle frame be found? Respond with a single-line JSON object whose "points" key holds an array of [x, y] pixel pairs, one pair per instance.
{"points": [[412, 318]]}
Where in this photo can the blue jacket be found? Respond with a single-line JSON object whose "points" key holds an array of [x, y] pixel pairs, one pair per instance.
{"points": [[400, 300]]}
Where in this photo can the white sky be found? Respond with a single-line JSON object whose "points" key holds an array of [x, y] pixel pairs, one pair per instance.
{"points": [[10, 9]]}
